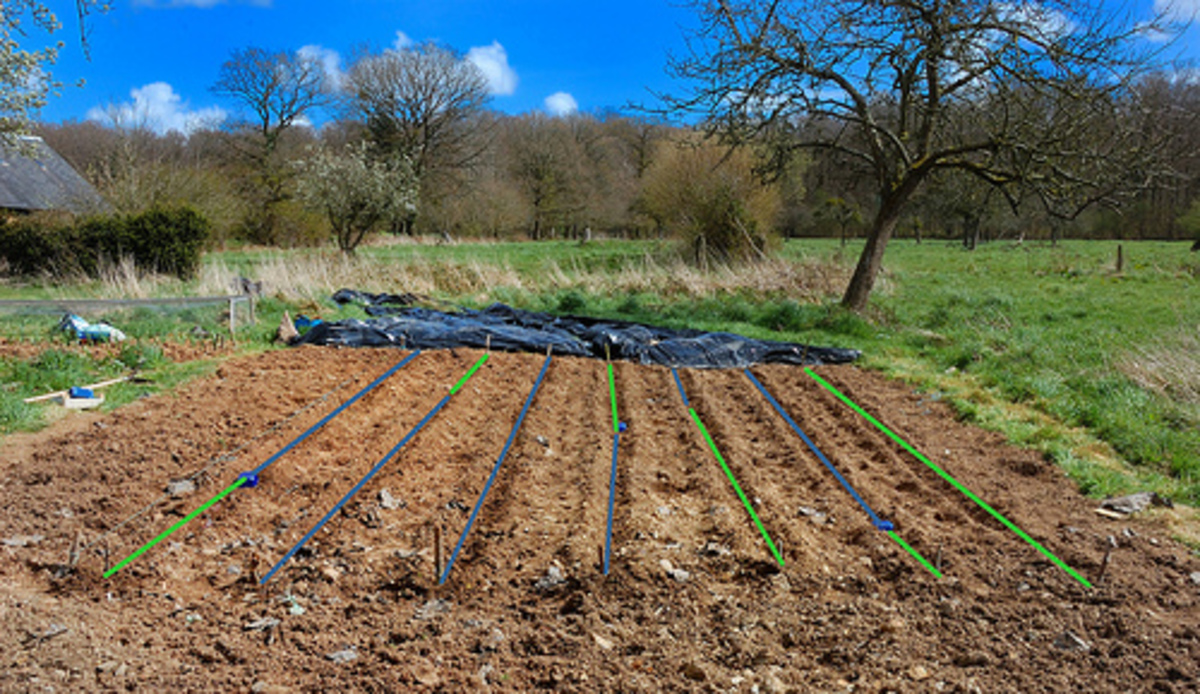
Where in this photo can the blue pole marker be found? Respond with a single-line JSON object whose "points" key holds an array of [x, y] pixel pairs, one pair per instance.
{"points": [[316, 427], [367, 478], [679, 384], [612, 495], [875, 519], [495, 469], [618, 427]]}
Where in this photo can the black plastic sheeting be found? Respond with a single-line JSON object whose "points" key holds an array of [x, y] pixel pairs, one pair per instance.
{"points": [[514, 330]]}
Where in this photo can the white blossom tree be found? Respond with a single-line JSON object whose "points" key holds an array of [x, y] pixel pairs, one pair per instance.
{"points": [[356, 193], [25, 79]]}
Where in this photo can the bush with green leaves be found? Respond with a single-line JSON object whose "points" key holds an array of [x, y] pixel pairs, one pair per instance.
{"points": [[170, 241]]}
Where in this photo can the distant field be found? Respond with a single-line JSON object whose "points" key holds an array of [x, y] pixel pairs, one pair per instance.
{"points": [[1051, 346]]}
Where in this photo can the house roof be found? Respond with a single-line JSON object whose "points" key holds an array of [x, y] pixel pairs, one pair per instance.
{"points": [[34, 177]]}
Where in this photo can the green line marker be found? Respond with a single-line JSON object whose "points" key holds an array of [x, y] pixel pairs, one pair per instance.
{"points": [[612, 393], [908, 548], [957, 485], [177, 526], [468, 375], [736, 488]]}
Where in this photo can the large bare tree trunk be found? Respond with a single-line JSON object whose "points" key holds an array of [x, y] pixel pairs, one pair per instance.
{"points": [[871, 259]]}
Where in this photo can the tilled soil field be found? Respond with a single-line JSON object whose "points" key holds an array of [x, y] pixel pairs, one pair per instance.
{"points": [[694, 600]]}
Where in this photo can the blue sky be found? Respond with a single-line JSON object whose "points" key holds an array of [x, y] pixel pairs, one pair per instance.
{"points": [[158, 58], [154, 60]]}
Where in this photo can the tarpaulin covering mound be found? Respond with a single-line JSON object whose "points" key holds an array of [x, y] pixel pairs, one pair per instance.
{"points": [[514, 330]]}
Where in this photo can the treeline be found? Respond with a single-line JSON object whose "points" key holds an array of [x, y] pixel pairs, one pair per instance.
{"points": [[478, 173]]}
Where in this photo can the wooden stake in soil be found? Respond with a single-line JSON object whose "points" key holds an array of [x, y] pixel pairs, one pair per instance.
{"points": [[600, 556], [1104, 565], [437, 551]]}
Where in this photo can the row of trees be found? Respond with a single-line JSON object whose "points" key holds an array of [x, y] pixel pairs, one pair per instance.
{"points": [[971, 117]]}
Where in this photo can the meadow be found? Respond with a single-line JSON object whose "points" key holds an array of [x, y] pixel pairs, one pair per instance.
{"points": [[1052, 346]]}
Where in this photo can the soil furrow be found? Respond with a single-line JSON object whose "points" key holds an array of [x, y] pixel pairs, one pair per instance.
{"points": [[362, 610]]}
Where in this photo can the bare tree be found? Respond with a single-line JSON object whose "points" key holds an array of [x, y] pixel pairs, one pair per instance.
{"points": [[279, 90], [423, 103], [1034, 98], [545, 161]]}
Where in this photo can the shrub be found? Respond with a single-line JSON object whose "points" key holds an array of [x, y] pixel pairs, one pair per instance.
{"points": [[159, 240], [39, 245], [170, 241], [711, 199]]}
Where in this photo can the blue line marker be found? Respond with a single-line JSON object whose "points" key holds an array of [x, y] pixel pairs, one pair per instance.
{"points": [[300, 439], [492, 478], [679, 383], [612, 494], [354, 491], [875, 519]]}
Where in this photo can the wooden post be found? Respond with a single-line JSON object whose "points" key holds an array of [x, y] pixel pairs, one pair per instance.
{"points": [[600, 556], [437, 552], [1120, 258], [1104, 565]]}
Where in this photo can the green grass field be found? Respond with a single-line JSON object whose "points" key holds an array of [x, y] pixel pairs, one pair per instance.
{"points": [[1051, 346]]}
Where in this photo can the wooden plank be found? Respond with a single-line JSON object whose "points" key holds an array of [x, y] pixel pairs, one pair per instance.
{"points": [[64, 393]]}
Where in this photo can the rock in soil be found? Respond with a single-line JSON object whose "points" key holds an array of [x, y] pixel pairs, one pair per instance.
{"points": [[343, 656], [180, 488], [1068, 641]]}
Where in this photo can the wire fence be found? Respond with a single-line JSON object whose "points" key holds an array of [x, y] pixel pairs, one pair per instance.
{"points": [[108, 307]]}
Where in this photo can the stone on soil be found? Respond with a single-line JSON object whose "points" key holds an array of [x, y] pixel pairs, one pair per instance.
{"points": [[342, 657], [181, 487]]}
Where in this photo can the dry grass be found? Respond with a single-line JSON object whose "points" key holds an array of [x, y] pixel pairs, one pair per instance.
{"points": [[315, 276], [1170, 366], [807, 280], [123, 279]]}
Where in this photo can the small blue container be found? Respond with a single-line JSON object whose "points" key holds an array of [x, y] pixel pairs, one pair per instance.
{"points": [[77, 392]]}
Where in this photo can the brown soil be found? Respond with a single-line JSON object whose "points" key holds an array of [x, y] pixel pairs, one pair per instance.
{"points": [[173, 351], [851, 611]]}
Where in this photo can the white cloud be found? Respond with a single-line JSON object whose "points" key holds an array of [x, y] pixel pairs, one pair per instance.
{"points": [[1178, 10], [203, 4], [561, 104], [403, 41], [329, 60], [492, 61], [156, 106], [1045, 22]]}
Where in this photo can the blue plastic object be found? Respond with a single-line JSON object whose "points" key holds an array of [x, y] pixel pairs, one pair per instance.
{"points": [[303, 323], [90, 332], [885, 526], [622, 427], [251, 479], [77, 392]]}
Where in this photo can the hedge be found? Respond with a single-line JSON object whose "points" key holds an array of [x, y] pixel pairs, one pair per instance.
{"points": [[169, 241]]}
